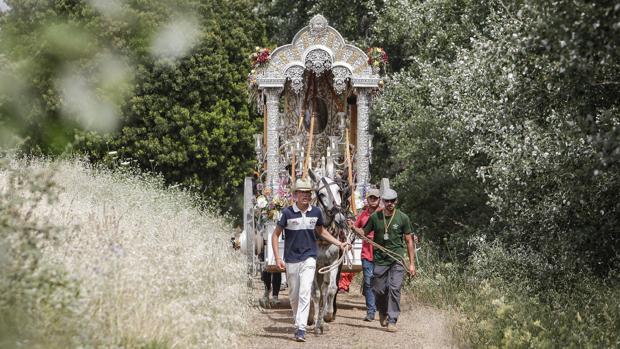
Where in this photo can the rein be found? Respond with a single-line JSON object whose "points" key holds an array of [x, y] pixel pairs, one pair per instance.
{"points": [[344, 259], [395, 256], [398, 258]]}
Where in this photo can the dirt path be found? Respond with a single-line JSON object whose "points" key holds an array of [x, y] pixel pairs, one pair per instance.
{"points": [[419, 326]]}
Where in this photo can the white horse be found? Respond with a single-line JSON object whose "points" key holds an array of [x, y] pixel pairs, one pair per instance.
{"points": [[324, 288]]}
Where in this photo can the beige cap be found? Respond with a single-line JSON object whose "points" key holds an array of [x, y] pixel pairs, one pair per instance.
{"points": [[302, 185], [373, 192]]}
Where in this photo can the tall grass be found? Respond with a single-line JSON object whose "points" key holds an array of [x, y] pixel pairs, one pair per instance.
{"points": [[503, 300], [150, 268]]}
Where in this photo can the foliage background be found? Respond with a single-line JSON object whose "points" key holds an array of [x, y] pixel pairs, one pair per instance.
{"points": [[499, 127], [162, 83]]}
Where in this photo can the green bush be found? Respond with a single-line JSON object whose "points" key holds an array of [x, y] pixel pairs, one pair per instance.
{"points": [[37, 298], [514, 127], [496, 305]]}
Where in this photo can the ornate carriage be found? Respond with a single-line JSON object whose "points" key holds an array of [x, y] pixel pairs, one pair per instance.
{"points": [[314, 95]]}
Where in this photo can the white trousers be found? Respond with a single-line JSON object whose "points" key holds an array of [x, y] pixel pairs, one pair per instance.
{"points": [[300, 276]]}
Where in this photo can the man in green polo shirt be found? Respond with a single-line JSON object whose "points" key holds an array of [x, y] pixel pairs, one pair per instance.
{"points": [[393, 231]]}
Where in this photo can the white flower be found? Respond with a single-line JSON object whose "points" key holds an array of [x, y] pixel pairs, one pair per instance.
{"points": [[261, 202]]}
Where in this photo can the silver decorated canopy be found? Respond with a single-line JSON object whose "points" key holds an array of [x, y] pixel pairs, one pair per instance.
{"points": [[317, 73], [318, 48]]}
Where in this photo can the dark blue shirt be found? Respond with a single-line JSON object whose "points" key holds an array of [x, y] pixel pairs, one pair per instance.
{"points": [[300, 239]]}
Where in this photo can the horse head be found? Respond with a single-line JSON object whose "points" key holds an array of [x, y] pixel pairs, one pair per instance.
{"points": [[329, 197]]}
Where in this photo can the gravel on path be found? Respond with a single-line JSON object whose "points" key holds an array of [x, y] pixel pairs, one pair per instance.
{"points": [[419, 326]]}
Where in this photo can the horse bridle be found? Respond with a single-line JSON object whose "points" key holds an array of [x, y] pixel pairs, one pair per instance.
{"points": [[326, 185]]}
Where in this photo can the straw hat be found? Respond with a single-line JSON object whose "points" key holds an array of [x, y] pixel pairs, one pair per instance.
{"points": [[302, 185]]}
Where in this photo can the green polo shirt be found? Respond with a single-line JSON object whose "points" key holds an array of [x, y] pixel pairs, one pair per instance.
{"points": [[399, 226]]}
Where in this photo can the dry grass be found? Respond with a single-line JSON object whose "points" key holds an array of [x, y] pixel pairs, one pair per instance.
{"points": [[152, 269]]}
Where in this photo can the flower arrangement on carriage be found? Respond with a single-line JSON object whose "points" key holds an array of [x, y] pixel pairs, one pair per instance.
{"points": [[258, 59], [270, 206], [377, 58], [260, 56]]}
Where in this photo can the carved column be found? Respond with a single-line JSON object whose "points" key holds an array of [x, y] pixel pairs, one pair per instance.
{"points": [[273, 165], [361, 159]]}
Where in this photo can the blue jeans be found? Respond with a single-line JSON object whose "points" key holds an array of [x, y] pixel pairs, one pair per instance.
{"points": [[368, 268]]}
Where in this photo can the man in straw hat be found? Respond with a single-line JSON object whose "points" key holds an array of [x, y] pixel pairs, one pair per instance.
{"points": [[299, 222], [392, 231]]}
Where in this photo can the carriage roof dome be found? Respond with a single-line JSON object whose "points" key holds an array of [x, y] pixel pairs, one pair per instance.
{"points": [[318, 48]]}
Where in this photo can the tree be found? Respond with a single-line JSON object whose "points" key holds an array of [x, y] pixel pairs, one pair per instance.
{"points": [[161, 83], [420, 144], [528, 106], [539, 108], [353, 19], [428, 31]]}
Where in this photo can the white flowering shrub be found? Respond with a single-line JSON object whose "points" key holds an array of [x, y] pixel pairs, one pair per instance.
{"points": [[516, 136], [151, 267], [506, 149]]}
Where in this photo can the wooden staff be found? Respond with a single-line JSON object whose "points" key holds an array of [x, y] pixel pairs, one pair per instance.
{"points": [[293, 164], [303, 105], [312, 117], [309, 148], [353, 124], [265, 125], [348, 155]]}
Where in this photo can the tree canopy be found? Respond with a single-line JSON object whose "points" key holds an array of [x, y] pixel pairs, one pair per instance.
{"points": [[162, 84], [512, 131]]}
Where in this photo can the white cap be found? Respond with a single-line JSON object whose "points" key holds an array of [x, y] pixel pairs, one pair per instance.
{"points": [[389, 194]]}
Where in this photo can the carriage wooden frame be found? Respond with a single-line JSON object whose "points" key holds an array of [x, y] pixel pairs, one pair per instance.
{"points": [[316, 79]]}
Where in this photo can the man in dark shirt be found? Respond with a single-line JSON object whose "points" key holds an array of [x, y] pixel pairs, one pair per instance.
{"points": [[392, 230], [300, 251]]}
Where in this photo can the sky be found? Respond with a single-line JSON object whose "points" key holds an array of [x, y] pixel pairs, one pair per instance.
{"points": [[3, 5]]}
